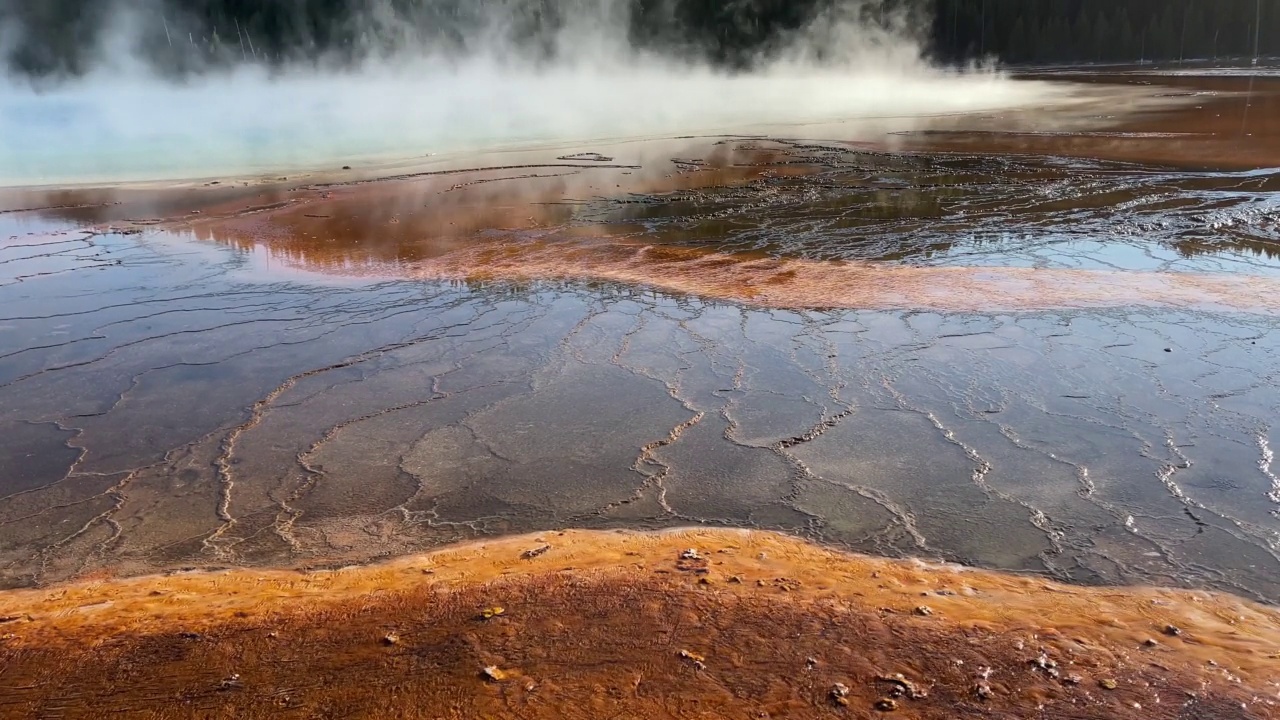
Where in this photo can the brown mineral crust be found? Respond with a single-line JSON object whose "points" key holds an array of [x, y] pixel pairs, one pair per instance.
{"points": [[605, 624], [801, 283], [381, 225], [1225, 123]]}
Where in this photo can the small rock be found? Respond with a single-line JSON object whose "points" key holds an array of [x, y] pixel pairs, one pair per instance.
{"points": [[983, 691], [1073, 679], [492, 612], [1044, 662], [1172, 630], [391, 639], [1150, 642], [1168, 350], [535, 552], [493, 674], [692, 561], [231, 682], [737, 579], [810, 663], [840, 694], [699, 662], [924, 611], [346, 167], [886, 704], [903, 686], [1108, 684]]}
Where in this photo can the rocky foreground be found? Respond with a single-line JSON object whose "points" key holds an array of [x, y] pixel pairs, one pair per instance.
{"points": [[694, 623]]}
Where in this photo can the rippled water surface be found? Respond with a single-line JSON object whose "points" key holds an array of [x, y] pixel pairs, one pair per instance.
{"points": [[1051, 350]]}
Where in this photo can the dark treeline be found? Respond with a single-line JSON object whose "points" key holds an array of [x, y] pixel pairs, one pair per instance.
{"points": [[1061, 31], [64, 37], [43, 38]]}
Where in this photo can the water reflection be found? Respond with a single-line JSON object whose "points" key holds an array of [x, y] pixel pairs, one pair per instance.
{"points": [[1084, 206], [1061, 365]]}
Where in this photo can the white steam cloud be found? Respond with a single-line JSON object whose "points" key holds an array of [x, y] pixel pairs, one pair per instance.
{"points": [[123, 121]]}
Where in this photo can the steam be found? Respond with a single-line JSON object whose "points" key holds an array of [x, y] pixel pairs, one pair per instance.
{"points": [[156, 104]]}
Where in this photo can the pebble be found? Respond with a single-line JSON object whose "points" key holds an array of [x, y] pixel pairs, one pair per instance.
{"points": [[534, 552], [903, 686], [699, 662]]}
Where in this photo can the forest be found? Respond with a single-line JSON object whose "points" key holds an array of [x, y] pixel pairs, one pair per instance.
{"points": [[1108, 31], [65, 37]]}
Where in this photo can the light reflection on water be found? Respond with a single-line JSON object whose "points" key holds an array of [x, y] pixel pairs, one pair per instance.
{"points": [[191, 395], [1108, 446]]}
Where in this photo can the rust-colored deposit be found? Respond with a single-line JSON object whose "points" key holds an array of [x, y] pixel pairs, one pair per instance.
{"points": [[800, 283], [697, 623], [525, 241], [1225, 122]]}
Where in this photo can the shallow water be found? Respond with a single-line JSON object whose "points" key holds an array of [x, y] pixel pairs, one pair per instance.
{"points": [[114, 127], [1032, 351]]}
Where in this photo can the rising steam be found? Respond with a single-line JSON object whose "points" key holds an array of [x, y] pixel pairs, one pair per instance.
{"points": [[152, 100]]}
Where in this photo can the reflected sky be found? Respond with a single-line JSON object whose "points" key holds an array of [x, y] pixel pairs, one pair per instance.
{"points": [[1060, 365]]}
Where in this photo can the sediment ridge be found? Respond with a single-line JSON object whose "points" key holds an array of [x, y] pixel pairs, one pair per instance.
{"points": [[794, 283], [691, 623]]}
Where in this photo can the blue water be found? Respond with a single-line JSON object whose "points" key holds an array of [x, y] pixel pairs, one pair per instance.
{"points": [[108, 130]]}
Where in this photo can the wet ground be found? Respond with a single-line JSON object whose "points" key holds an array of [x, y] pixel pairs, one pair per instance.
{"points": [[1037, 342]]}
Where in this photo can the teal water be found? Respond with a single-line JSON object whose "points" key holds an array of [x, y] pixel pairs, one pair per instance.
{"points": [[134, 129]]}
